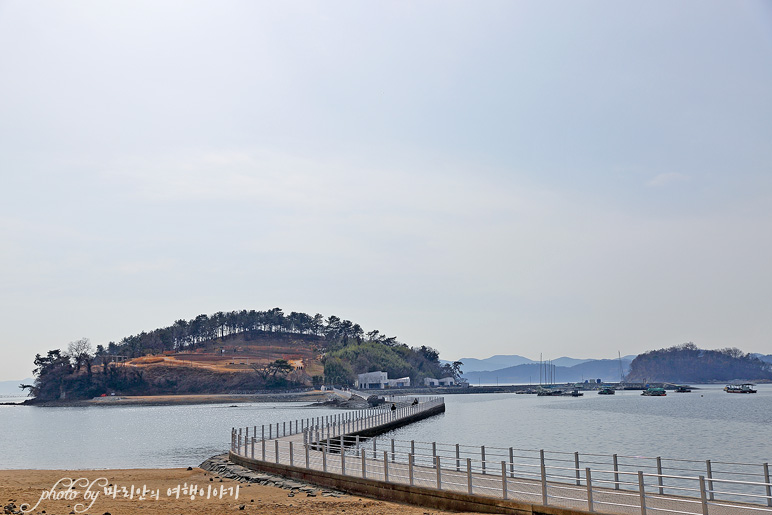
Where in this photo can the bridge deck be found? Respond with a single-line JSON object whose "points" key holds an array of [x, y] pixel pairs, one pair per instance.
{"points": [[319, 449]]}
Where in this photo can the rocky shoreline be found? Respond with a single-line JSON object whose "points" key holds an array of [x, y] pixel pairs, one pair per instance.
{"points": [[224, 468]]}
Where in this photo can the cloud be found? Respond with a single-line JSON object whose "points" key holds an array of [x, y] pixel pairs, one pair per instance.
{"points": [[664, 179]]}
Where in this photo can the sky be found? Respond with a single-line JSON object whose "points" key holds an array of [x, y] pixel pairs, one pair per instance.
{"points": [[518, 177]]}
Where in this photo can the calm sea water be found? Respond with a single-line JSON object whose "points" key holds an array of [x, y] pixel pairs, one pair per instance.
{"points": [[705, 424]]}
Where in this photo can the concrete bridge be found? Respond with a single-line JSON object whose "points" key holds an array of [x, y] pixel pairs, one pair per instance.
{"points": [[341, 452]]}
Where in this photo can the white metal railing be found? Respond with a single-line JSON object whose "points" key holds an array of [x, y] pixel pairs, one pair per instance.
{"points": [[608, 483]]}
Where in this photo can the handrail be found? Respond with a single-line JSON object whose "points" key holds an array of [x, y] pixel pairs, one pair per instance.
{"points": [[334, 444]]}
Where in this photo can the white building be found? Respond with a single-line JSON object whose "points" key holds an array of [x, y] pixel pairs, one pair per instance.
{"points": [[445, 381], [402, 382], [372, 380]]}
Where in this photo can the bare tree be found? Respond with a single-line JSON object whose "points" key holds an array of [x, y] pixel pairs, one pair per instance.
{"points": [[81, 352]]}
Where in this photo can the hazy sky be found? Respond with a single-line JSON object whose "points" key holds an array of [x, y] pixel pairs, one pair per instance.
{"points": [[518, 177]]}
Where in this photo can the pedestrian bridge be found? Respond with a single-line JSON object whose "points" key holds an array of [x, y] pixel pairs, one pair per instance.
{"points": [[342, 451]]}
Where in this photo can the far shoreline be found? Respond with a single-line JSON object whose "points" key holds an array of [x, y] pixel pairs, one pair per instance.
{"points": [[310, 396]]}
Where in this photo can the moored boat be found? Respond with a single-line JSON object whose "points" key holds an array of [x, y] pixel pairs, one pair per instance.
{"points": [[682, 389], [655, 392], [606, 390], [549, 392], [740, 388]]}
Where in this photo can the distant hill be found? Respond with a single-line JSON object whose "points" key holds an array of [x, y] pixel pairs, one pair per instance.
{"points": [[689, 364], [231, 352], [605, 369], [569, 362], [492, 363], [501, 361]]}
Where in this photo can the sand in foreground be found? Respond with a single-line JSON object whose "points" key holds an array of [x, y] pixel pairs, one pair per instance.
{"points": [[27, 487]]}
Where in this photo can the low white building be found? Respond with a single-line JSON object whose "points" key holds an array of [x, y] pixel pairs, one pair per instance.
{"points": [[402, 382], [372, 380], [445, 381]]}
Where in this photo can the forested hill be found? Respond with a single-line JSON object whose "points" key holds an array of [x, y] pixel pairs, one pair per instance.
{"points": [[688, 364], [229, 352]]}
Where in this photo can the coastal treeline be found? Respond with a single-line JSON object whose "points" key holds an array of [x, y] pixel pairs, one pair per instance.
{"points": [[686, 363], [345, 349], [342, 365], [195, 333]]}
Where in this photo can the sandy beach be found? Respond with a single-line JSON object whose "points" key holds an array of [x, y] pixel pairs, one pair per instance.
{"points": [[19, 487]]}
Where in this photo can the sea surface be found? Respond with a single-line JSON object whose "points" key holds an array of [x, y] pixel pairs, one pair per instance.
{"points": [[705, 424]]}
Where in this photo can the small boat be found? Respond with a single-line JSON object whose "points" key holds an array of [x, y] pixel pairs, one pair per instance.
{"points": [[606, 390], [573, 393], [682, 389], [740, 388], [549, 392], [655, 392]]}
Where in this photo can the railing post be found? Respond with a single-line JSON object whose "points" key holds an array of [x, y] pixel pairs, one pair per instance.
{"points": [[482, 456], [324, 460], [253, 447], [576, 465], [642, 492], [439, 472], [277, 449], [469, 475], [434, 453], [262, 442], [659, 475], [767, 486], [412, 446], [392, 450], [709, 470], [543, 478], [375, 455], [703, 496], [270, 431], [263, 434], [308, 459], [292, 454], [284, 431], [410, 468], [616, 473], [342, 462], [364, 464], [504, 480], [588, 480], [511, 462], [385, 467], [458, 458]]}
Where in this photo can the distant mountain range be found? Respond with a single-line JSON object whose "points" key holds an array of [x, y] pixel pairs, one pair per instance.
{"points": [[500, 361], [508, 369]]}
